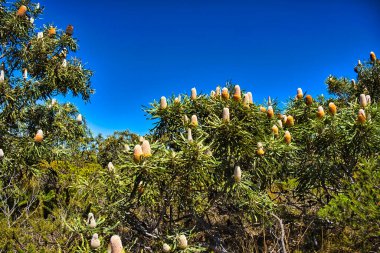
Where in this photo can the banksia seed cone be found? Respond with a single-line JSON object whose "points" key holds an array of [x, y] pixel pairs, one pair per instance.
{"points": [[39, 136], [189, 135], [361, 116], [110, 167], [289, 121], [193, 93], [287, 137], [299, 93], [320, 112], [332, 108], [95, 242], [237, 174], [225, 93], [145, 146], [1, 153], [116, 245], [279, 122], [262, 109], [246, 101], [194, 121], [368, 98], [21, 11], [270, 112], [372, 56], [163, 103], [237, 94], [275, 129], [362, 100], [308, 100], [91, 220], [182, 242], [137, 153], [250, 97], [226, 115], [51, 31], [166, 248], [79, 119], [69, 30]]}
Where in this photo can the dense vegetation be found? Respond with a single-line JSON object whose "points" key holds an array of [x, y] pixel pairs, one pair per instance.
{"points": [[217, 173]]}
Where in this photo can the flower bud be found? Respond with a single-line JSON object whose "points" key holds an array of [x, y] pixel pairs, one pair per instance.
{"points": [[137, 153], [320, 112], [194, 121], [166, 248], [1, 153], [260, 149], [116, 245], [246, 100], [25, 73], [182, 242], [163, 103], [368, 99], [250, 97], [237, 174], [69, 30], [287, 137], [299, 93], [332, 108], [308, 100], [237, 94], [362, 100], [225, 93], [361, 116], [110, 167], [189, 135], [226, 115], [193, 93], [145, 146]]}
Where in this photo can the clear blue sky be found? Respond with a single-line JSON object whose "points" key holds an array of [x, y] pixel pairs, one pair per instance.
{"points": [[142, 50]]}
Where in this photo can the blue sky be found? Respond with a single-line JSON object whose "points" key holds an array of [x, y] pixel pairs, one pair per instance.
{"points": [[142, 50]]}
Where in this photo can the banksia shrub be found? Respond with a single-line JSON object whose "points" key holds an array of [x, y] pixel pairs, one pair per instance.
{"points": [[361, 116], [270, 112], [320, 112], [237, 174], [237, 94], [332, 108], [21, 11], [225, 93], [299, 93], [69, 30], [51, 31], [163, 103], [95, 242], [137, 153], [39, 136], [194, 121], [275, 129], [166, 248], [182, 242], [193, 93], [363, 100], [287, 137], [372, 56], [226, 115], [308, 100], [289, 121], [145, 146], [116, 245]]}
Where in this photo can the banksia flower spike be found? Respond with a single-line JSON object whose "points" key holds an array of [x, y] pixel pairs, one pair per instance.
{"points": [[308, 100], [372, 56], [332, 108], [194, 121], [284, 119], [217, 91], [110, 167], [320, 112], [116, 245], [260, 149], [25, 73], [226, 115], [69, 30], [279, 122], [91, 223], [368, 98], [40, 35], [287, 137], [51, 31], [289, 121], [189, 135], [39, 136], [262, 109], [95, 242], [275, 129], [363, 100], [182, 242], [193, 93], [166, 248], [163, 103], [2, 76], [145, 146], [79, 119], [250, 97], [237, 94], [237, 174], [246, 100], [137, 153], [270, 112], [225, 93], [21, 11], [299, 93], [1, 153], [361, 116]]}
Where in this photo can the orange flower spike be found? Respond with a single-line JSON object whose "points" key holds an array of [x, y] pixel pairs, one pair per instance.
{"points": [[225, 93], [320, 112], [287, 137], [308, 100], [193, 93], [289, 121], [299, 93], [262, 109], [361, 116], [137, 153], [372, 56], [163, 103], [51, 31], [275, 130], [270, 112], [21, 11], [39, 136], [332, 108], [237, 94]]}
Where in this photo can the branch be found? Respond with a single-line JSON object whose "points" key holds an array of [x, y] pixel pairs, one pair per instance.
{"points": [[282, 232]]}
